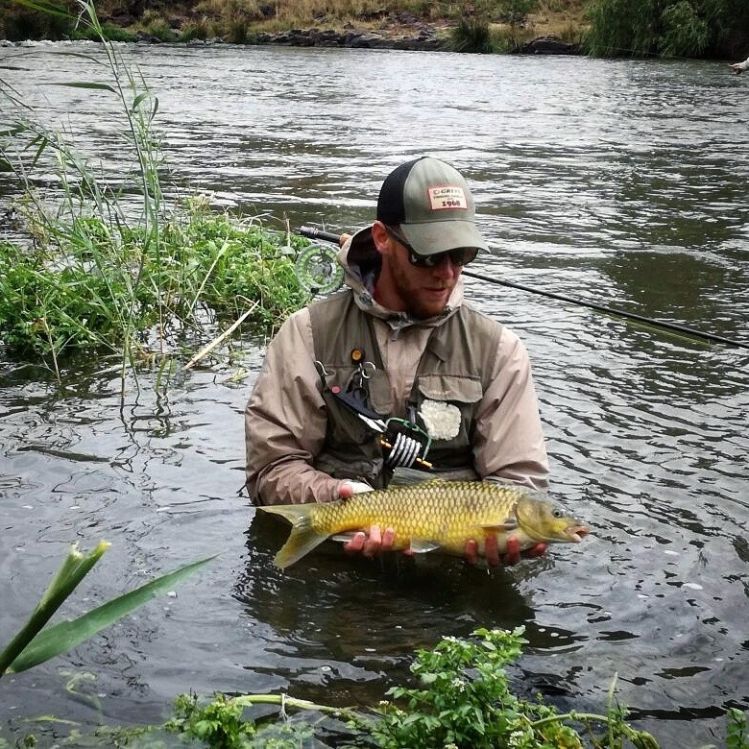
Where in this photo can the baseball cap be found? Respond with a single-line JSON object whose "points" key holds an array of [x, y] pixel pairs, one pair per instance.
{"points": [[431, 203]]}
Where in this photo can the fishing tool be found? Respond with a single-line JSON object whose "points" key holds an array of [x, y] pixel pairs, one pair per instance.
{"points": [[405, 443], [327, 236], [317, 269]]}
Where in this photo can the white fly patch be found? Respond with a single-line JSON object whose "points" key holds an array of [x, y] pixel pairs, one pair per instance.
{"points": [[447, 197], [441, 419]]}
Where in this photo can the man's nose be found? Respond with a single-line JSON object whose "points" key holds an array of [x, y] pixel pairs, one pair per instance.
{"points": [[446, 269]]}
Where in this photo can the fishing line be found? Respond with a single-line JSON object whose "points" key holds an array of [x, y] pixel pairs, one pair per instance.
{"points": [[328, 236]]}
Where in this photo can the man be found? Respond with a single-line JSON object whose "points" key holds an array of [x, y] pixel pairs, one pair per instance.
{"points": [[453, 385]]}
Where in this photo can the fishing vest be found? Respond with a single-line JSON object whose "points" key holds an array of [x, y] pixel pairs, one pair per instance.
{"points": [[454, 368]]}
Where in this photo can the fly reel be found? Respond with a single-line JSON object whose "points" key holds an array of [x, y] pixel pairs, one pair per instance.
{"points": [[317, 269]]}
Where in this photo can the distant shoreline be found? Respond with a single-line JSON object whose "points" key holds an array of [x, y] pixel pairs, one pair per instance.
{"points": [[424, 41]]}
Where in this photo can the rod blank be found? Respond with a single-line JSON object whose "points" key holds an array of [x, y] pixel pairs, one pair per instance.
{"points": [[329, 236]]}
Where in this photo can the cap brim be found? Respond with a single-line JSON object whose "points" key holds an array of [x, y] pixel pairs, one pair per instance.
{"points": [[441, 236]]}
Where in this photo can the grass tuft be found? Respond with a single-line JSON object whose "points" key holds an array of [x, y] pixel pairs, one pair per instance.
{"points": [[135, 277]]}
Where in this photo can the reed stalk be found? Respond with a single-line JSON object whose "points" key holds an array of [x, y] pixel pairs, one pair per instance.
{"points": [[33, 644], [102, 273]]}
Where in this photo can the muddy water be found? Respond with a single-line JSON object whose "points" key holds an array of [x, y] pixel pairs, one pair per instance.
{"points": [[614, 181]]}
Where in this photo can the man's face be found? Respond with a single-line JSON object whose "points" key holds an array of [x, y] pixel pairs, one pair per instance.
{"points": [[422, 292]]}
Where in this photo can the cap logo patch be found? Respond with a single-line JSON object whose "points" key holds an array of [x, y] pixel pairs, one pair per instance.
{"points": [[447, 197]]}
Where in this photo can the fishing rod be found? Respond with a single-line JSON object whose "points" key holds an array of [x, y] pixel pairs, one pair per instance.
{"points": [[328, 236]]}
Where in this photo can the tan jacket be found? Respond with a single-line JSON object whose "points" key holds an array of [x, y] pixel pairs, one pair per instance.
{"points": [[285, 418]]}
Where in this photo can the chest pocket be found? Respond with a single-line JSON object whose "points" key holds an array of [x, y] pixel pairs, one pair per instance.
{"points": [[447, 407]]}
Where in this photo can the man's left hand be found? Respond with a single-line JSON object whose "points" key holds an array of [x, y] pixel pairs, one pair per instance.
{"points": [[491, 551]]}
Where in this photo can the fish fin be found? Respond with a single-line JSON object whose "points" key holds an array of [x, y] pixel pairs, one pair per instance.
{"points": [[411, 477], [302, 538], [529, 491], [422, 547], [511, 524], [508, 524], [344, 538]]}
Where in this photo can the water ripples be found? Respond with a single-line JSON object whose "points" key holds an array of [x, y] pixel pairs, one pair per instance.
{"points": [[617, 182]]}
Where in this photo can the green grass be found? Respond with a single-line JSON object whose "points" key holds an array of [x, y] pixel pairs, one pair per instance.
{"points": [[135, 277], [92, 285]]}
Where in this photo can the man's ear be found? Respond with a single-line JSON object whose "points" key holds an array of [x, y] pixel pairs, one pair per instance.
{"points": [[381, 238]]}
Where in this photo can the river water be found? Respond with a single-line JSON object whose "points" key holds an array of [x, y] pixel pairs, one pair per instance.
{"points": [[620, 182]]}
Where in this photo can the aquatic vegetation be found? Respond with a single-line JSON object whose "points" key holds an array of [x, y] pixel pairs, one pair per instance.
{"points": [[111, 267], [35, 644], [463, 699], [95, 285]]}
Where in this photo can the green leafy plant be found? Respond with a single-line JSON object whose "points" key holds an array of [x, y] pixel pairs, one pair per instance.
{"points": [[684, 28], [464, 700], [737, 736], [220, 723], [103, 273], [471, 34], [684, 32], [33, 644], [80, 291]]}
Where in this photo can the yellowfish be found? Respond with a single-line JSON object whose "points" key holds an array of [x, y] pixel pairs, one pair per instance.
{"points": [[432, 515]]}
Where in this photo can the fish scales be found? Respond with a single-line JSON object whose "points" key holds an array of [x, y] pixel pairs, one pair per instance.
{"points": [[446, 513], [432, 515]]}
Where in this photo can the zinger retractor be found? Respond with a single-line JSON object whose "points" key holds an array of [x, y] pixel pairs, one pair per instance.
{"points": [[406, 443], [317, 269]]}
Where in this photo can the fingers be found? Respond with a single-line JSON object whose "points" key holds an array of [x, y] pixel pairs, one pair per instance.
{"points": [[343, 239], [512, 555], [538, 550], [388, 537], [491, 551], [356, 544], [471, 552], [372, 543], [345, 490]]}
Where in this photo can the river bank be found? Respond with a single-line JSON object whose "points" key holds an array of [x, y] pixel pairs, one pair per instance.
{"points": [[559, 30]]}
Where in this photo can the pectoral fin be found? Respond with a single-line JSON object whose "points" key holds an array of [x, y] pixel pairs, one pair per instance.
{"points": [[422, 547], [344, 538], [510, 524]]}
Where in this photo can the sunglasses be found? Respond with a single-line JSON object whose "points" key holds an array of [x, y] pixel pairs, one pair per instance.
{"points": [[458, 257]]}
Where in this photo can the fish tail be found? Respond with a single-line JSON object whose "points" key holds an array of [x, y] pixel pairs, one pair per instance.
{"points": [[303, 537]]}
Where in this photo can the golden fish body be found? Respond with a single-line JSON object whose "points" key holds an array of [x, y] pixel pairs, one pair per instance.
{"points": [[433, 515]]}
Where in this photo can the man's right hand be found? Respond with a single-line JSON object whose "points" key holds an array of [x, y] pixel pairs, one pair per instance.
{"points": [[375, 540], [349, 487], [371, 543]]}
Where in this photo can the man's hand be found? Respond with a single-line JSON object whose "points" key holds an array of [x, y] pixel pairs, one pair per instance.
{"points": [[375, 540], [372, 543], [491, 551], [347, 488]]}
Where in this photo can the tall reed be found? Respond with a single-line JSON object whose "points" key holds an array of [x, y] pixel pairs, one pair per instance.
{"points": [[131, 276]]}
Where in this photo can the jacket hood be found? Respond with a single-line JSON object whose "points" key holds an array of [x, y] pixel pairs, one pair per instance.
{"points": [[361, 264]]}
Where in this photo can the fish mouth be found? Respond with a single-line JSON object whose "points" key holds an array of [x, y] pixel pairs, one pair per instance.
{"points": [[576, 533]]}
